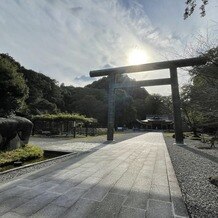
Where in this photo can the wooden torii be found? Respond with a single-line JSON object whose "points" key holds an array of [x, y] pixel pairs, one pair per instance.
{"points": [[173, 81]]}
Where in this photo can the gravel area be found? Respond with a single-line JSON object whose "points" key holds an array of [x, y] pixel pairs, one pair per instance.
{"points": [[12, 174], [77, 146], [193, 167]]}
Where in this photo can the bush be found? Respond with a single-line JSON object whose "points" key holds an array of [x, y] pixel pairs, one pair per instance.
{"points": [[28, 152], [64, 116]]}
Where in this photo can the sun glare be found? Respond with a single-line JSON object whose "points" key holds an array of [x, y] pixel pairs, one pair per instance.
{"points": [[137, 56]]}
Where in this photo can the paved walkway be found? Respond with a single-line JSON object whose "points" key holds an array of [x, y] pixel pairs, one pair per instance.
{"points": [[133, 178]]}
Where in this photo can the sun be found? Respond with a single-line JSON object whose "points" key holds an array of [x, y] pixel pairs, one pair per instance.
{"points": [[137, 56]]}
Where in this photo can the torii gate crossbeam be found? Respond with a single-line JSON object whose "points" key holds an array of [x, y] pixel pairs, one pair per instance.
{"points": [[173, 81]]}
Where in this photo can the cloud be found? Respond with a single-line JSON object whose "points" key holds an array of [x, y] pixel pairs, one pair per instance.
{"points": [[66, 39], [75, 10], [106, 66], [84, 78]]}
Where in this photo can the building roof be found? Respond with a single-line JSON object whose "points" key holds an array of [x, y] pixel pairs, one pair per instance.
{"points": [[156, 118]]}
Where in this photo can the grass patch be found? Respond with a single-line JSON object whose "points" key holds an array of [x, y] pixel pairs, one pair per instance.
{"points": [[29, 152], [168, 134]]}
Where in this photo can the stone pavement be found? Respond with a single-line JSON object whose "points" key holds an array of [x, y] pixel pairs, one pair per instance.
{"points": [[133, 178]]}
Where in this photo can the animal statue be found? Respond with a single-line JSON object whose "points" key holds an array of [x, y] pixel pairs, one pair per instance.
{"points": [[14, 132]]}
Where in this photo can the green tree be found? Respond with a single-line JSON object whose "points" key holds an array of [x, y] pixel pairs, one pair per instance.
{"points": [[191, 5], [200, 102], [42, 91], [125, 113], [130, 102], [193, 116], [91, 102], [13, 88], [102, 83], [43, 106], [92, 107]]}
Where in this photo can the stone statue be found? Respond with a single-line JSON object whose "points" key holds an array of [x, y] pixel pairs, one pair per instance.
{"points": [[14, 132]]}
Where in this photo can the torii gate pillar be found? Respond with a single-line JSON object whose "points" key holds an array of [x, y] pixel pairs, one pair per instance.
{"points": [[176, 106], [111, 108]]}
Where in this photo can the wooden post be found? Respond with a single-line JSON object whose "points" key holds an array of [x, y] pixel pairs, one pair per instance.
{"points": [[86, 130], [111, 108], [74, 129], [176, 106]]}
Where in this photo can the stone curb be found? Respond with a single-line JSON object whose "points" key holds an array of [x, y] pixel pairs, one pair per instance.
{"points": [[12, 173], [33, 164]]}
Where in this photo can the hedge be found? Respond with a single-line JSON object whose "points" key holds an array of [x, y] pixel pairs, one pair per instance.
{"points": [[64, 116]]}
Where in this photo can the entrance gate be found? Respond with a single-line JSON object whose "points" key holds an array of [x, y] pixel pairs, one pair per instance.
{"points": [[173, 81]]}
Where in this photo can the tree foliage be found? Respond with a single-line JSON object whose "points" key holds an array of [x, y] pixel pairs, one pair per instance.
{"points": [[13, 88], [64, 116], [191, 5], [44, 93], [200, 102]]}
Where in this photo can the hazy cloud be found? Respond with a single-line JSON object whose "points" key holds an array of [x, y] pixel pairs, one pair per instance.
{"points": [[84, 78], [75, 10], [106, 66], [66, 39]]}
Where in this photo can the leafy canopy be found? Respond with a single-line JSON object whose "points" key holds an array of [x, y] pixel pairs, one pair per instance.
{"points": [[13, 88], [64, 116], [191, 5], [200, 102]]}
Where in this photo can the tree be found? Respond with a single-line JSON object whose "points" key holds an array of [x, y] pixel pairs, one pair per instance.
{"points": [[153, 104], [13, 88], [125, 112], [191, 5], [200, 102], [42, 89], [193, 116], [43, 106], [88, 101], [102, 83], [92, 107]]}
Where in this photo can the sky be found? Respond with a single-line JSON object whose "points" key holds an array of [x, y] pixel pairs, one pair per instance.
{"points": [[66, 39]]}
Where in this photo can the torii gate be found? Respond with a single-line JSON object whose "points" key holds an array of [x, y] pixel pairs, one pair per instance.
{"points": [[173, 81]]}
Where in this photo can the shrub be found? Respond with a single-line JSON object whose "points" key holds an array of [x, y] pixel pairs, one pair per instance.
{"points": [[64, 116], [26, 153]]}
